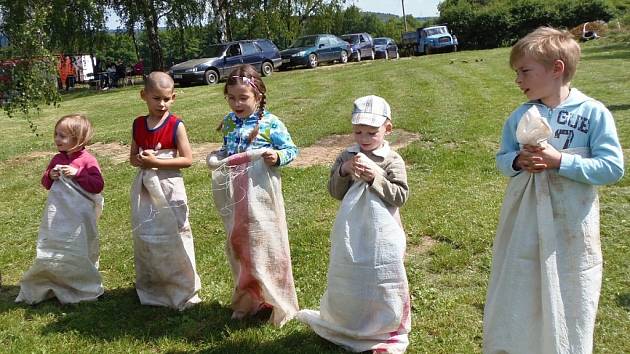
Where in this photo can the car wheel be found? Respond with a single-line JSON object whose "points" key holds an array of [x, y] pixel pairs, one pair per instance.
{"points": [[397, 55], [344, 57], [266, 69], [373, 55], [358, 56], [211, 77], [312, 60]]}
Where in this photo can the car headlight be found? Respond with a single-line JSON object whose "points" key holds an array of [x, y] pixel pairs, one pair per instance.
{"points": [[299, 54], [191, 70]]}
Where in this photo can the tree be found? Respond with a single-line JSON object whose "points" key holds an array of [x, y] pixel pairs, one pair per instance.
{"points": [[219, 17], [146, 12], [76, 26], [183, 16], [177, 14], [31, 72]]}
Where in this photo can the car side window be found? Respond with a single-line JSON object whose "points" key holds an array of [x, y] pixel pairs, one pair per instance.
{"points": [[234, 50], [262, 46], [249, 48], [324, 42], [363, 39]]}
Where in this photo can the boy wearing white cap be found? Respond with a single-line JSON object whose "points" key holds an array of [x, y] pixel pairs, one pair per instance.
{"points": [[371, 121], [366, 304]]}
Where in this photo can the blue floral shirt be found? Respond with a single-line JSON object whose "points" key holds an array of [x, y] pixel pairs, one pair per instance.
{"points": [[272, 134]]}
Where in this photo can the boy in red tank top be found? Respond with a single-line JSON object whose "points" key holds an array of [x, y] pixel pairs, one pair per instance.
{"points": [[163, 245]]}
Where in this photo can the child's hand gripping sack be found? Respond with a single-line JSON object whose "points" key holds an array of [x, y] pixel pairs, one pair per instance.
{"points": [[361, 168], [532, 133], [532, 129]]}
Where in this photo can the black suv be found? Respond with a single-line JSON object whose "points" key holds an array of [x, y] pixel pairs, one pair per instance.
{"points": [[361, 44], [222, 58]]}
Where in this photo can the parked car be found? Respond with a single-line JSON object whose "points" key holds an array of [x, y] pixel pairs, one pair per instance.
{"points": [[222, 58], [427, 40], [361, 44], [385, 47], [314, 49]]}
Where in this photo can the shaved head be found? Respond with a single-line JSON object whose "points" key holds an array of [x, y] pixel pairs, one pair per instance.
{"points": [[158, 80]]}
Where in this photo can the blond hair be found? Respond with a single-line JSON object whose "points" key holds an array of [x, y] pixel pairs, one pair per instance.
{"points": [[546, 45], [78, 127]]}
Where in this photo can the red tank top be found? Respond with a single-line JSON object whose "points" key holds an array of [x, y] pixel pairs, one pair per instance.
{"points": [[165, 134]]}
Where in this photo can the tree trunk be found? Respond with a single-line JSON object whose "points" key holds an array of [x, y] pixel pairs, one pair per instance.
{"points": [[132, 33], [151, 26], [219, 17]]}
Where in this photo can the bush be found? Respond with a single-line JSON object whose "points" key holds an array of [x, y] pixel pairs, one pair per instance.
{"points": [[481, 25]]}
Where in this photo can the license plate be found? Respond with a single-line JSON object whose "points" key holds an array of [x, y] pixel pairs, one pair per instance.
{"points": [[177, 76], [286, 60]]}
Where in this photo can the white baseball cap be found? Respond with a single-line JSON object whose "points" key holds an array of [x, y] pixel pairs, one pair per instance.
{"points": [[371, 110]]}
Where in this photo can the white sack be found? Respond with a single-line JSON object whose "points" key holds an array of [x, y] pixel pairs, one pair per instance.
{"points": [[66, 265], [366, 305], [248, 195], [532, 129], [546, 267], [163, 243]]}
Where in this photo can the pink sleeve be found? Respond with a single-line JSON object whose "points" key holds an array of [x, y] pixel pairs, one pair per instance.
{"points": [[46, 180], [89, 175]]}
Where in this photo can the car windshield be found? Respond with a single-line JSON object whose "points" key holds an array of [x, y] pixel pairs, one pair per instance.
{"points": [[379, 41], [350, 39], [215, 50], [436, 30], [304, 42]]}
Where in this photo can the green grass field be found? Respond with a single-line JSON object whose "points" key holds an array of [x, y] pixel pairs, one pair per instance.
{"points": [[456, 102]]}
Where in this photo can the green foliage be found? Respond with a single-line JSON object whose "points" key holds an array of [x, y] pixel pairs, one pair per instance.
{"points": [[491, 24], [117, 46], [31, 83], [76, 26], [30, 74], [621, 7]]}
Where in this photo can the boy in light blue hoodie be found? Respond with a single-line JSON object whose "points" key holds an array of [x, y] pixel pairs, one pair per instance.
{"points": [[547, 262]]}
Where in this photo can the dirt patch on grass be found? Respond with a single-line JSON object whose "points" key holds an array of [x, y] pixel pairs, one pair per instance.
{"points": [[34, 156], [424, 246], [116, 152], [28, 157], [323, 152]]}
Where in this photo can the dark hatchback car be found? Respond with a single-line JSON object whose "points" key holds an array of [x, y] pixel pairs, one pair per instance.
{"points": [[361, 44], [386, 47], [222, 58], [315, 49]]}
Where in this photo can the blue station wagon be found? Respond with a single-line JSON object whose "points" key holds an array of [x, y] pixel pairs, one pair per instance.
{"points": [[223, 58]]}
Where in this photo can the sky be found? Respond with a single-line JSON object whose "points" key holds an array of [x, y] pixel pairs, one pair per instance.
{"points": [[416, 8]]}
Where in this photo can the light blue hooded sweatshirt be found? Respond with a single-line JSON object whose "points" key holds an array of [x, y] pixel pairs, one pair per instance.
{"points": [[579, 121]]}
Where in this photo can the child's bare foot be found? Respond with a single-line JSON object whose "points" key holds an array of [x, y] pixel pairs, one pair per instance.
{"points": [[238, 315]]}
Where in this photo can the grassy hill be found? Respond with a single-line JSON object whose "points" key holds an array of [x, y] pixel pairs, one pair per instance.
{"points": [[456, 103]]}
